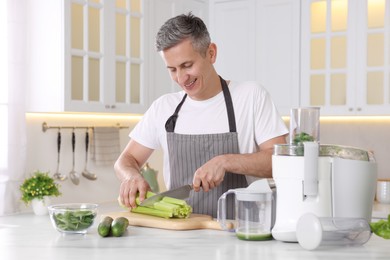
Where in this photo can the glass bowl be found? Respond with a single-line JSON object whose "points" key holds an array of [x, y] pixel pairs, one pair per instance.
{"points": [[73, 218]]}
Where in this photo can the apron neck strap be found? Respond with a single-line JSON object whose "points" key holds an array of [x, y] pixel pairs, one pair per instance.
{"points": [[171, 122], [229, 106]]}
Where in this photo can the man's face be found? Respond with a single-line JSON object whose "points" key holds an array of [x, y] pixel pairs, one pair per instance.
{"points": [[189, 69]]}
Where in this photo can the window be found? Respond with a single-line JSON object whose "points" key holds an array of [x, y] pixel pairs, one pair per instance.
{"points": [[12, 104]]}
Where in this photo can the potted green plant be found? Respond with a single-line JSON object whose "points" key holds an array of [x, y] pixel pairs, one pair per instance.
{"points": [[37, 190]]}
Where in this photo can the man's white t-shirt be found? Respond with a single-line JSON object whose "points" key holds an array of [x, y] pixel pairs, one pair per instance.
{"points": [[257, 119]]}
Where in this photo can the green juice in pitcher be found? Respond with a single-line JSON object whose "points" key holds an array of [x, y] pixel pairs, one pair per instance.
{"points": [[253, 236]]}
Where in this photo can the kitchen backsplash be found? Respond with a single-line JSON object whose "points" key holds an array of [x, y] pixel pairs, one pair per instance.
{"points": [[42, 150]]}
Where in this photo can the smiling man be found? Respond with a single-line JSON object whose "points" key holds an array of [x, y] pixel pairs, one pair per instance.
{"points": [[215, 134]]}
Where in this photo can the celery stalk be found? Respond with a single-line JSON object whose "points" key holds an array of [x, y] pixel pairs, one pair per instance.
{"points": [[152, 212], [161, 205], [174, 201], [166, 208]]}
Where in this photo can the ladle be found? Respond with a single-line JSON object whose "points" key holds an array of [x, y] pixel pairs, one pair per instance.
{"points": [[74, 177], [57, 175], [87, 174]]}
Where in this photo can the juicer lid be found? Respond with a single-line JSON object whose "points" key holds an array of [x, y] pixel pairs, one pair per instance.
{"points": [[243, 194], [257, 191], [340, 151]]}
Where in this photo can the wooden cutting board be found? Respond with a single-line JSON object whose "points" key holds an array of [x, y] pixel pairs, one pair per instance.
{"points": [[195, 221]]}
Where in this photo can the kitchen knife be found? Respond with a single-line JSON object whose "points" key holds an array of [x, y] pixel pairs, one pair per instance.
{"points": [[182, 193]]}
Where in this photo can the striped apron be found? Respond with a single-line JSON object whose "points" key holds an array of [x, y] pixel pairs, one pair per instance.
{"points": [[188, 152]]}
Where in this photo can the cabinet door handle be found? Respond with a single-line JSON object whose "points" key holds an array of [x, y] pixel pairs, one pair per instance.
{"points": [[359, 109], [109, 106], [350, 109]]}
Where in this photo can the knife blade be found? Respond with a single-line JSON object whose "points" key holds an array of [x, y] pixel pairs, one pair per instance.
{"points": [[182, 193]]}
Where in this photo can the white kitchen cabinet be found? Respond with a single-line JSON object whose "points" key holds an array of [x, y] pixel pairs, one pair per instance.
{"points": [[162, 10], [233, 29], [346, 56], [277, 52], [259, 40], [87, 56]]}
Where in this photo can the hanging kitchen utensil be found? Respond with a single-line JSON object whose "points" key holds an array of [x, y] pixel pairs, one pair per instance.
{"points": [[87, 174], [57, 175], [74, 177]]}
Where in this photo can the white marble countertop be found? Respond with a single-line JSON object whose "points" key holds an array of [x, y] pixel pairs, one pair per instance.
{"points": [[26, 236]]}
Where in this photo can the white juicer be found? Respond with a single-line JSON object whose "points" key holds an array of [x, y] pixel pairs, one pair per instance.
{"points": [[326, 180]]}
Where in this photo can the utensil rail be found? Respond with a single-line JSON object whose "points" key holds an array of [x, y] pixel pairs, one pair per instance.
{"points": [[46, 127]]}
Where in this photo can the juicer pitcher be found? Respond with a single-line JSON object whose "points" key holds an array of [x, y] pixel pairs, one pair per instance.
{"points": [[253, 212]]}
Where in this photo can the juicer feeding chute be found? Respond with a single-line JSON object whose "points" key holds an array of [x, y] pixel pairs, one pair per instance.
{"points": [[305, 132], [304, 125]]}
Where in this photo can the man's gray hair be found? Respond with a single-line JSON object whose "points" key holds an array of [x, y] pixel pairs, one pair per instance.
{"points": [[183, 27]]}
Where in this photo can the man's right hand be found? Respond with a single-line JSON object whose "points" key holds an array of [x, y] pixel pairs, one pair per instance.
{"points": [[130, 187]]}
